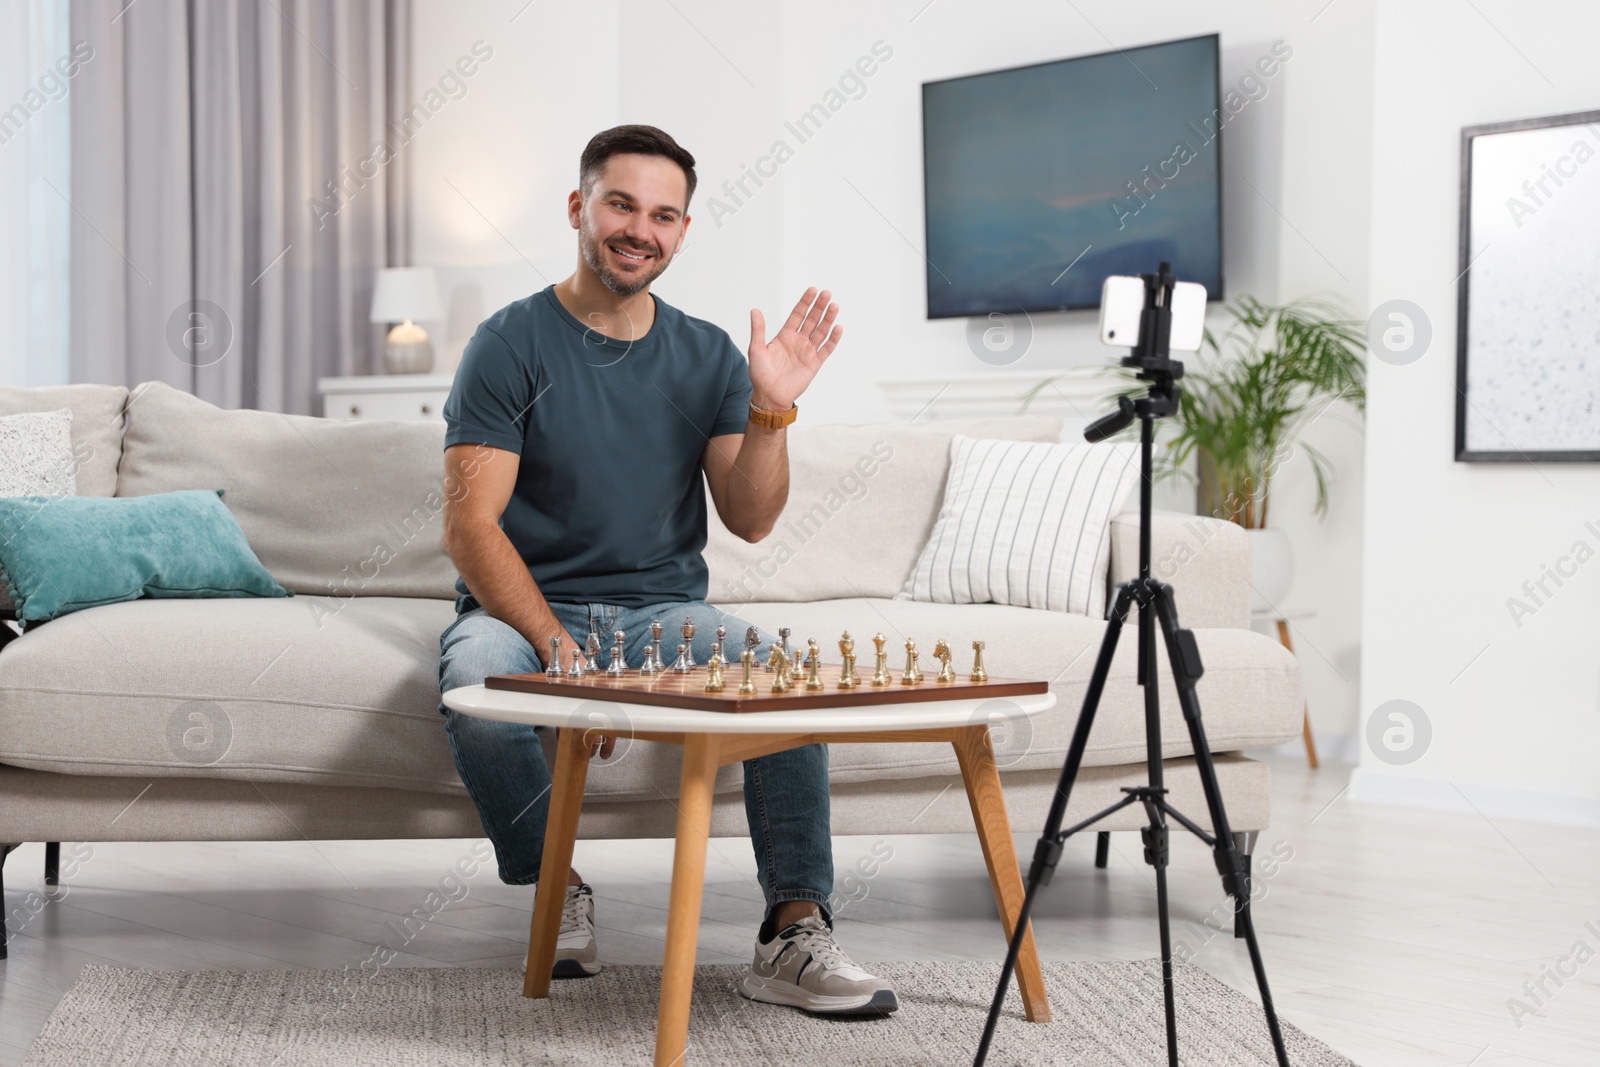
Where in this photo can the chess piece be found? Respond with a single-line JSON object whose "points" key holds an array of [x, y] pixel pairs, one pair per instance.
{"points": [[576, 671], [752, 641], [978, 673], [880, 672], [747, 660], [947, 670], [552, 668], [778, 663], [814, 671], [722, 642], [591, 652], [848, 678], [617, 667], [683, 664], [716, 654], [783, 641], [714, 673], [913, 673], [655, 646], [649, 665], [687, 630]]}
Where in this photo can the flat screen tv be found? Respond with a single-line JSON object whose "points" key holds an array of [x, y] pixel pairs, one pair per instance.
{"points": [[1041, 181]]}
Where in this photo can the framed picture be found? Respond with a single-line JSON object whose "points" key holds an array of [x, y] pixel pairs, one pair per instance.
{"points": [[1528, 303]]}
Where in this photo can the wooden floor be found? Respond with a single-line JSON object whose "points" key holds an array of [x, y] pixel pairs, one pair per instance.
{"points": [[1396, 936]]}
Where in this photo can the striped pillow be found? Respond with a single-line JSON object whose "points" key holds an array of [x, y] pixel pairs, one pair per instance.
{"points": [[1025, 524]]}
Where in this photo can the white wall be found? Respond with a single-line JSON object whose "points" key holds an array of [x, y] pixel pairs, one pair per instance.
{"points": [[846, 211], [1515, 712]]}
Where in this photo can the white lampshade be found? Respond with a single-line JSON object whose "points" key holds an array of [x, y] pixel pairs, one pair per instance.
{"points": [[407, 293]]}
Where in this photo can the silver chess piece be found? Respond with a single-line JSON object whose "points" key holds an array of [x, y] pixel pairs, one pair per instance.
{"points": [[591, 652], [655, 644], [783, 641], [683, 664], [649, 665], [716, 654], [617, 666], [552, 668], [687, 630], [576, 671]]}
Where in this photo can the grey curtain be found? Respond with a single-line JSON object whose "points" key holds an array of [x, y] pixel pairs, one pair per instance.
{"points": [[236, 189]]}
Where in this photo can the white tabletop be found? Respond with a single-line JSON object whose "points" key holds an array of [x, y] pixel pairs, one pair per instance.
{"points": [[538, 709]]}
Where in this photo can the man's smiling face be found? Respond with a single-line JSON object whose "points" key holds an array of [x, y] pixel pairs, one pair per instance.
{"points": [[631, 220]]}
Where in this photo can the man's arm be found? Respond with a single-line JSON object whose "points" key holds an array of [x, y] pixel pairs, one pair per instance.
{"points": [[749, 473], [478, 482]]}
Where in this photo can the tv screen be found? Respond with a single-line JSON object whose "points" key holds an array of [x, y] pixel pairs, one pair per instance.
{"points": [[1041, 181]]}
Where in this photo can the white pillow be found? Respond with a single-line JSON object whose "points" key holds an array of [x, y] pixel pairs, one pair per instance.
{"points": [[36, 460], [1025, 524]]}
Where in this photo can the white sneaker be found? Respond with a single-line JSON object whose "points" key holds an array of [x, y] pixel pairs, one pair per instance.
{"points": [[803, 967], [576, 955]]}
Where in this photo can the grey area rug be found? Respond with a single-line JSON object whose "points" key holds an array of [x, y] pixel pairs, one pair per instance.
{"points": [[1105, 1013]]}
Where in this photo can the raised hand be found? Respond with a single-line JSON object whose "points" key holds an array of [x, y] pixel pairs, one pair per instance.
{"points": [[782, 368]]}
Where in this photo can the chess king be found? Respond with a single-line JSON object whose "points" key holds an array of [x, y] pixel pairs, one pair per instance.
{"points": [[581, 424]]}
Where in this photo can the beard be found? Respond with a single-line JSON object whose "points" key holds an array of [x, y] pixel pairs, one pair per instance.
{"points": [[622, 285]]}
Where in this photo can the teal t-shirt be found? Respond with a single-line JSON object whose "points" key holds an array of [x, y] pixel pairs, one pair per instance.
{"points": [[608, 506]]}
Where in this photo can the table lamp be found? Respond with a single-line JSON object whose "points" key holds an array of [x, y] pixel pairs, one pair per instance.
{"points": [[401, 295]]}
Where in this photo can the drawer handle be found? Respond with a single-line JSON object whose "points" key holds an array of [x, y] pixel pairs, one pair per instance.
{"points": [[355, 409], [427, 409]]}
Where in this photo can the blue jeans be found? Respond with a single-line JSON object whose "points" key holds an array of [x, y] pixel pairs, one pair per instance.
{"points": [[503, 766]]}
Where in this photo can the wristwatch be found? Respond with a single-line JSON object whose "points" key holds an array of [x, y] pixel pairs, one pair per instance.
{"points": [[773, 420]]}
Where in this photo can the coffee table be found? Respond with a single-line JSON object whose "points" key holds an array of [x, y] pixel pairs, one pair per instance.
{"points": [[711, 739]]}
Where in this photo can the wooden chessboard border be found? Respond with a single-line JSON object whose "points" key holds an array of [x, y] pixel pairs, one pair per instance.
{"points": [[669, 689]]}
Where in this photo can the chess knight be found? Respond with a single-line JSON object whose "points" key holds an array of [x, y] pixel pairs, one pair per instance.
{"points": [[547, 551]]}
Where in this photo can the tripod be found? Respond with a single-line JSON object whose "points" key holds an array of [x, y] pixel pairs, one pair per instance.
{"points": [[1156, 605]]}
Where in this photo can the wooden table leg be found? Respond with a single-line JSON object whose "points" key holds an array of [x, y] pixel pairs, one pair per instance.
{"points": [[560, 832], [1305, 724], [683, 911], [975, 752]]}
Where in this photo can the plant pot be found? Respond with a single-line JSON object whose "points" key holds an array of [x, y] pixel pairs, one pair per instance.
{"points": [[1272, 569]]}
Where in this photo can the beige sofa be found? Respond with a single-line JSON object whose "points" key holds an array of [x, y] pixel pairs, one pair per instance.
{"points": [[317, 716]]}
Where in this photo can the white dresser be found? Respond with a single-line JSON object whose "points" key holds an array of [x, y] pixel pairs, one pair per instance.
{"points": [[402, 397]]}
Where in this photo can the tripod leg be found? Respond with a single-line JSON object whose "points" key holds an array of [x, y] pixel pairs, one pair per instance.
{"points": [[1102, 849], [1156, 838], [1245, 842], [1184, 656]]}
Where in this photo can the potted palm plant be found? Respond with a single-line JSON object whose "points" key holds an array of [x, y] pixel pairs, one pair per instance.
{"points": [[1272, 372]]}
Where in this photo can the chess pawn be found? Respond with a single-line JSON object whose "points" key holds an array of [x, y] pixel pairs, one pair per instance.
{"points": [[880, 671], [747, 682], [617, 667], [783, 640], [592, 654], [814, 671], [655, 647], [848, 679], [716, 653], [978, 673], [913, 673], [778, 663], [722, 643], [947, 670], [576, 671], [649, 664], [714, 675], [553, 661], [683, 664], [687, 630]]}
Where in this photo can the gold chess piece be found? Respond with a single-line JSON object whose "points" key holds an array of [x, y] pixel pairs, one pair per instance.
{"points": [[880, 672], [714, 675], [814, 670], [913, 673], [778, 663], [747, 684], [978, 673], [848, 678], [947, 670]]}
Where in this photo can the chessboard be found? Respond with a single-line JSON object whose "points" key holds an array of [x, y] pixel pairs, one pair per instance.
{"points": [[673, 689]]}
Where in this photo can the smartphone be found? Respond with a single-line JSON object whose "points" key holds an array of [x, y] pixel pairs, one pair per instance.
{"points": [[1122, 304]]}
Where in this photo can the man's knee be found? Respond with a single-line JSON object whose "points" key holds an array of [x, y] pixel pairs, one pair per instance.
{"points": [[480, 646]]}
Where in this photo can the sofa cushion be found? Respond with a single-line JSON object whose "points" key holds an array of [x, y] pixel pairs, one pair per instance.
{"points": [[862, 500], [332, 506], [1250, 695], [96, 427]]}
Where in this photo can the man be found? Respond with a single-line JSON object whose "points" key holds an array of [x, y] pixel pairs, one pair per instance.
{"points": [[580, 424]]}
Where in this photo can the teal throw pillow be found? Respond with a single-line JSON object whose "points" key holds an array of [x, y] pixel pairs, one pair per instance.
{"points": [[63, 554]]}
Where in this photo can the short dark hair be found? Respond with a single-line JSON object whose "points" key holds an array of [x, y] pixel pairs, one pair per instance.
{"points": [[635, 140]]}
